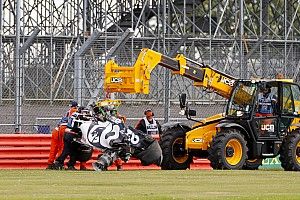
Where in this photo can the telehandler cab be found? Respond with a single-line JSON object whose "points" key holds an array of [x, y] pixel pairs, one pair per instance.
{"points": [[238, 139], [243, 138]]}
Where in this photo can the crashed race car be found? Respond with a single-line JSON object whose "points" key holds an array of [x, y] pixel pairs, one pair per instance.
{"points": [[105, 131]]}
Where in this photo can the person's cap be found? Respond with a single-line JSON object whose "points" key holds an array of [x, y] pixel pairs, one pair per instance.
{"points": [[73, 104], [148, 110]]}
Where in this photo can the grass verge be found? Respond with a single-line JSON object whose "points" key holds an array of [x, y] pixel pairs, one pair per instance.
{"points": [[149, 184]]}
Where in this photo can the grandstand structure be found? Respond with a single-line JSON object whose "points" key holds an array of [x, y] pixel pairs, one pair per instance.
{"points": [[52, 51]]}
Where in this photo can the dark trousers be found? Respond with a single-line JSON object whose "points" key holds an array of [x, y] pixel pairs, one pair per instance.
{"points": [[69, 149]]}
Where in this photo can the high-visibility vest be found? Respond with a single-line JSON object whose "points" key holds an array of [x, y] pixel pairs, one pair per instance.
{"points": [[151, 128]]}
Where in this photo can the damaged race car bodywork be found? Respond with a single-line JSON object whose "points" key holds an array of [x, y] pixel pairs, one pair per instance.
{"points": [[117, 141]]}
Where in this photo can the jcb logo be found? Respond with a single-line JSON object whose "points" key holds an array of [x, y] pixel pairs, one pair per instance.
{"points": [[227, 81], [268, 127], [116, 80], [197, 140]]}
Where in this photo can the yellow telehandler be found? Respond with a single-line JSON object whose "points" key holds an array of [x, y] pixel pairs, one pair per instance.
{"points": [[240, 138]]}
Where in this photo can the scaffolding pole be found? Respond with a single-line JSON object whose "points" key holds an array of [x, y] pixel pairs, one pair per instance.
{"points": [[243, 65], [167, 72], [18, 68], [79, 65], [112, 52]]}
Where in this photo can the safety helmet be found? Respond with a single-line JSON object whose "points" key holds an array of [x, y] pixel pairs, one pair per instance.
{"points": [[106, 106]]}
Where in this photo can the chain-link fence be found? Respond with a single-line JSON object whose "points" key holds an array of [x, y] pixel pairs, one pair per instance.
{"points": [[49, 83], [52, 52]]}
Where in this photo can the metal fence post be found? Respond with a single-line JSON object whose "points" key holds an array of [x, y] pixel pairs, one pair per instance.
{"points": [[167, 72], [18, 71], [113, 51], [79, 65]]}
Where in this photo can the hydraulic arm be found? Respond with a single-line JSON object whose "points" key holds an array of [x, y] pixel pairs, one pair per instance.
{"points": [[136, 78]]}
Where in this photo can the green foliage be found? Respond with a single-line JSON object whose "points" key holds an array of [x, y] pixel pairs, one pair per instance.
{"points": [[150, 184]]}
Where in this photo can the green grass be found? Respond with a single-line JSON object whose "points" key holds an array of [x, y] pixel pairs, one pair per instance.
{"points": [[149, 184]]}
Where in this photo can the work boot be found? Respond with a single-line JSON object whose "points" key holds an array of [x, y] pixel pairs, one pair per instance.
{"points": [[50, 166], [71, 167], [119, 168], [58, 166], [83, 168]]}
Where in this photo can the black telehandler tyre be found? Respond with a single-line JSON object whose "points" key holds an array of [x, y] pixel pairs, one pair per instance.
{"points": [[175, 156], [228, 150], [290, 152]]}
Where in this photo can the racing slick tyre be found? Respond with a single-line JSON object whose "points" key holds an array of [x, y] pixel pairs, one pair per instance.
{"points": [[84, 153], [175, 157], [228, 150], [253, 164], [290, 152]]}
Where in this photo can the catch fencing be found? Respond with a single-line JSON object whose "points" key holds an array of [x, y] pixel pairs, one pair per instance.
{"points": [[52, 52], [56, 72]]}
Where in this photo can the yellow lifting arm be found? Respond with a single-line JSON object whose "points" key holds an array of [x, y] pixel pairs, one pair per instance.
{"points": [[207, 77], [136, 78], [129, 79]]}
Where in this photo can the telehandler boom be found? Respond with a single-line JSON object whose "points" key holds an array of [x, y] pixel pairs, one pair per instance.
{"points": [[136, 78]]}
